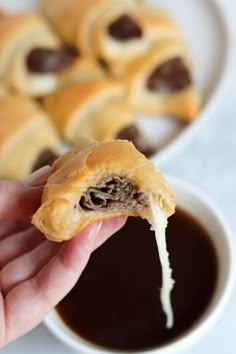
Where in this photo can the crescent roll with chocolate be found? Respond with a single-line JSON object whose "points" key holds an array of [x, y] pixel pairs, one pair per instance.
{"points": [[95, 182], [34, 61], [160, 82], [28, 140], [97, 109]]}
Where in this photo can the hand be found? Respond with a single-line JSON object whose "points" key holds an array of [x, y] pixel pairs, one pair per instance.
{"points": [[35, 274]]}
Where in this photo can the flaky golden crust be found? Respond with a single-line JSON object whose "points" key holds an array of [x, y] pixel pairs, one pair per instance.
{"points": [[75, 108], [63, 15], [22, 30], [19, 34], [109, 48], [183, 104], [25, 32], [81, 70], [3, 90], [60, 216], [111, 119], [25, 131], [74, 19], [84, 69], [154, 24]]}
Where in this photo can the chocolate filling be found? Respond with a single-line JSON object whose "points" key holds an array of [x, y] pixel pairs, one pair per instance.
{"points": [[45, 60], [116, 193], [124, 29], [132, 134], [173, 75], [47, 157]]}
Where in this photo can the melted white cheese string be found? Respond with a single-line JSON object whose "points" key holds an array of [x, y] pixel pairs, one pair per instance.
{"points": [[159, 226]]}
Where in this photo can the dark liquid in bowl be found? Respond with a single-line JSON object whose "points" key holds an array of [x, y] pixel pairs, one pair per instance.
{"points": [[116, 303]]}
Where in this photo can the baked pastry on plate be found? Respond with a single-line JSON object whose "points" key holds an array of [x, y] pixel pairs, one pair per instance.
{"points": [[74, 19], [160, 82], [75, 109], [33, 59], [97, 109], [28, 139], [3, 90], [125, 32], [96, 181]]}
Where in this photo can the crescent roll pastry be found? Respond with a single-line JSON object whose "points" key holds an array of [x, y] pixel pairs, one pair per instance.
{"points": [[160, 82], [19, 34], [95, 182], [94, 108], [97, 109], [74, 19], [39, 83], [75, 109], [28, 140], [3, 90], [125, 32], [83, 69], [35, 62]]}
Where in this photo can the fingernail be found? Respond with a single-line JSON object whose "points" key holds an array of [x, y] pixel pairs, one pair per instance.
{"points": [[38, 178], [95, 228]]}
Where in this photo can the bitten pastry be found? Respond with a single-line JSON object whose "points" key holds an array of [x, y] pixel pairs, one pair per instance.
{"points": [[97, 109], [95, 182], [33, 59], [74, 19], [160, 82], [28, 140]]}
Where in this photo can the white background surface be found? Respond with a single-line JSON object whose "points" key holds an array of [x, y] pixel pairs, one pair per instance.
{"points": [[209, 162]]}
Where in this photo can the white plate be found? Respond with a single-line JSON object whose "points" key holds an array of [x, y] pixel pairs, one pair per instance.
{"points": [[208, 36]]}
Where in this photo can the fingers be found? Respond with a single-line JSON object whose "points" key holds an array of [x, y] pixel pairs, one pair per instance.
{"points": [[17, 199], [39, 177], [29, 298], [9, 227], [18, 244], [27, 266], [27, 303]]}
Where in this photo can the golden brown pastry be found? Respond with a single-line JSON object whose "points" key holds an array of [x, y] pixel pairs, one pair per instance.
{"points": [[95, 182], [27, 138], [160, 82], [83, 69], [3, 90], [19, 34], [74, 19], [95, 108], [125, 32], [34, 61]]}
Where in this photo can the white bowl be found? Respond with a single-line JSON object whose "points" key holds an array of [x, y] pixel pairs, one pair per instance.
{"points": [[199, 206]]}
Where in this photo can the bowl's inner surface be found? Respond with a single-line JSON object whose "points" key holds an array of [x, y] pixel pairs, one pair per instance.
{"points": [[116, 304]]}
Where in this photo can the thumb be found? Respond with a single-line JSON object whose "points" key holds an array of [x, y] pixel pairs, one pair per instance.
{"points": [[50, 285]]}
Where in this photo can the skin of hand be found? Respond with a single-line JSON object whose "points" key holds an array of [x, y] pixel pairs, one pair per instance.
{"points": [[35, 274]]}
